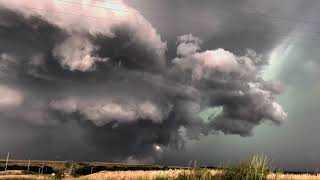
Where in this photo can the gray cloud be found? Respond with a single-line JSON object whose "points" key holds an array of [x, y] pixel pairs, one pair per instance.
{"points": [[114, 81], [246, 100]]}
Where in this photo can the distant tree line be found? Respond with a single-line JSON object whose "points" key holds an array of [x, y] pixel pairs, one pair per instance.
{"points": [[35, 169], [85, 169]]}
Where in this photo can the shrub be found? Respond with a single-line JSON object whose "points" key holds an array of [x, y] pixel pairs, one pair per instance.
{"points": [[59, 175], [255, 169], [196, 174], [162, 178]]}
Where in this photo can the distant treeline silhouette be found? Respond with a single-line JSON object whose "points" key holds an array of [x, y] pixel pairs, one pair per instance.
{"points": [[35, 169], [85, 169]]}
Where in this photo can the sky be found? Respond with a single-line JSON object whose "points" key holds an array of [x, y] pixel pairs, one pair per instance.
{"points": [[160, 81]]}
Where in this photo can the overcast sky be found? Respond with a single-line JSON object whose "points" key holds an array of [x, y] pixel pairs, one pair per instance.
{"points": [[161, 81]]}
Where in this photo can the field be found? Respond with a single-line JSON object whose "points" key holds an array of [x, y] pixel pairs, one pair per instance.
{"points": [[79, 168], [172, 174], [255, 169], [140, 175]]}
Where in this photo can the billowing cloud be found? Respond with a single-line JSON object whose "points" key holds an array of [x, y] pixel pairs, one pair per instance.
{"points": [[110, 22], [75, 53], [188, 44], [233, 83], [102, 112], [112, 78]]}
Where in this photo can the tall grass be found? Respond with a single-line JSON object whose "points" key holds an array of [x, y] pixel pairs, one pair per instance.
{"points": [[255, 169], [196, 174]]}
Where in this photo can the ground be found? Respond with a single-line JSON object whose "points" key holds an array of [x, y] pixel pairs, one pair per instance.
{"points": [[112, 171]]}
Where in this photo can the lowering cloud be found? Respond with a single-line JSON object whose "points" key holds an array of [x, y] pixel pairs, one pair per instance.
{"points": [[111, 77]]}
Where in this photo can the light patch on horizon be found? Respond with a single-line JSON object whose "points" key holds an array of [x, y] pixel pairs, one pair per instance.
{"points": [[9, 97], [211, 112]]}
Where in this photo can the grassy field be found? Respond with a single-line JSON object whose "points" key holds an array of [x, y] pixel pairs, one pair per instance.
{"points": [[62, 164], [257, 168], [58, 165], [173, 175], [142, 175]]}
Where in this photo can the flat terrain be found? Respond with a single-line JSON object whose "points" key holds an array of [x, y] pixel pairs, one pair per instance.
{"points": [[150, 175], [140, 175], [109, 171], [53, 164], [59, 165]]}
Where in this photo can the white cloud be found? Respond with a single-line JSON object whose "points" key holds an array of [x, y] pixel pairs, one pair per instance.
{"points": [[104, 16], [188, 44], [219, 59], [104, 111], [76, 53]]}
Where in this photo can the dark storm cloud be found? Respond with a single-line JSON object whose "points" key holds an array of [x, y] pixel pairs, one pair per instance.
{"points": [[114, 82], [232, 84], [231, 25]]}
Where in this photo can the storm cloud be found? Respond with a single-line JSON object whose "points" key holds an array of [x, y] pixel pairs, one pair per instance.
{"points": [[111, 77]]}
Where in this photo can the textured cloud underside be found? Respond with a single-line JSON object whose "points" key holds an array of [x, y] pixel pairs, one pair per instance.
{"points": [[114, 79]]}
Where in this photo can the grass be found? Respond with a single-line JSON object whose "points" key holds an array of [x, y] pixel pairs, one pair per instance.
{"points": [[173, 174], [155, 175], [21, 175], [257, 168], [133, 175], [198, 174]]}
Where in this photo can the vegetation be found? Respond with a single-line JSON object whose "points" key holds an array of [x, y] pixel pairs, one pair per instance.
{"points": [[58, 175], [197, 174], [257, 168], [173, 174]]}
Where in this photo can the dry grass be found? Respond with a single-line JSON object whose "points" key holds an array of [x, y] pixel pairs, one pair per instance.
{"points": [[21, 175], [148, 175], [254, 169], [132, 175], [136, 175], [278, 176], [24, 177], [172, 174]]}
